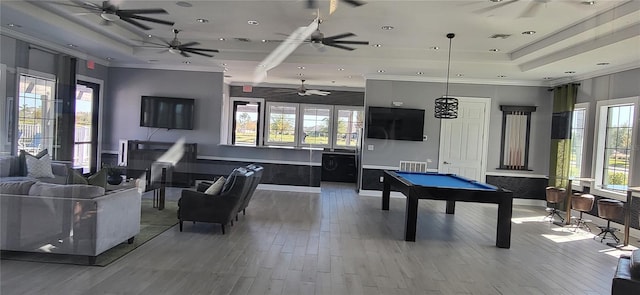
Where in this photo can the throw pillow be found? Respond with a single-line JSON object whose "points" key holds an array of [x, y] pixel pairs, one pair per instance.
{"points": [[98, 179], [22, 161], [39, 167], [74, 177], [216, 187]]}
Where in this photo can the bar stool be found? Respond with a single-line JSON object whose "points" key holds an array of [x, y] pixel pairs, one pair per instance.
{"points": [[609, 209], [554, 196], [582, 203]]}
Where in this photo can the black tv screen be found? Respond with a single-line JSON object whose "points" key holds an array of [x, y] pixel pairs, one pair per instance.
{"points": [[166, 112], [395, 123]]}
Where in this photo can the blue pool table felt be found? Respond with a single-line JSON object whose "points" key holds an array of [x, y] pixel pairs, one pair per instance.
{"points": [[444, 180]]}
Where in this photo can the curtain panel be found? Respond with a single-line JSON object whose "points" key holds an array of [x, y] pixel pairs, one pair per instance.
{"points": [[564, 100]]}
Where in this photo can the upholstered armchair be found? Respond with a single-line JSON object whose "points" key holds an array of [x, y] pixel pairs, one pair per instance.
{"points": [[255, 180], [200, 207]]}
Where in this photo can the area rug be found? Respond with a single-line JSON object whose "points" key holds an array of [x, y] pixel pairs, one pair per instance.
{"points": [[152, 223]]}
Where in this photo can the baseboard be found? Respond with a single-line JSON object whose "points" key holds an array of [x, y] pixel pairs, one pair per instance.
{"points": [[289, 188]]}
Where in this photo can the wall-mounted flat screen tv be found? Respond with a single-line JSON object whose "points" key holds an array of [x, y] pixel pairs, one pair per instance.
{"points": [[166, 112], [395, 123]]}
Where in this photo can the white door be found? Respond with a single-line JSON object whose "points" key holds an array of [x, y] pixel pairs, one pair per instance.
{"points": [[463, 141]]}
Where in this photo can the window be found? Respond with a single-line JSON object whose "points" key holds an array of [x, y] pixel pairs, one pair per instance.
{"points": [[578, 124], [246, 121], [36, 113], [282, 119], [349, 120], [316, 125], [615, 143], [252, 122]]}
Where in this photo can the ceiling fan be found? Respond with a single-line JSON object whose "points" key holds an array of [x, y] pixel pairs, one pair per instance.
{"points": [[303, 91], [177, 47], [318, 40], [110, 13], [531, 10]]}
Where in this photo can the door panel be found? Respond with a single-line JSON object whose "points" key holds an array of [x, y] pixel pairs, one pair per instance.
{"points": [[462, 140]]}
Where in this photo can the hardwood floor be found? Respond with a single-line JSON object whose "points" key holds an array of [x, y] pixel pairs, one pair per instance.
{"points": [[338, 242]]}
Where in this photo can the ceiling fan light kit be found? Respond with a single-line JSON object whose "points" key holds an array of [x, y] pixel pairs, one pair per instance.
{"points": [[447, 107]]}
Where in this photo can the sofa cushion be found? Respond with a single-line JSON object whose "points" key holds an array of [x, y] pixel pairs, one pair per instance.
{"points": [[16, 187], [39, 167], [22, 162], [74, 177], [635, 264], [80, 191], [5, 166], [216, 187]]}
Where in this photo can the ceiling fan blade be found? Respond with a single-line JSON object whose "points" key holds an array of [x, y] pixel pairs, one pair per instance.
{"points": [[153, 20], [305, 93], [318, 92], [284, 50], [201, 49], [339, 46], [150, 42], [350, 42], [339, 36], [135, 23], [532, 9], [184, 54], [189, 44], [198, 53], [354, 2], [144, 11], [88, 5], [487, 9]]}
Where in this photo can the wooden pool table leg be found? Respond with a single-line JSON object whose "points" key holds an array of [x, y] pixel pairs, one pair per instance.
{"points": [[411, 219], [451, 207], [503, 232]]}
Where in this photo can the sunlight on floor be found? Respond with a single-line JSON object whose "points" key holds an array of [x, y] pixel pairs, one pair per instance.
{"points": [[521, 220], [616, 252]]}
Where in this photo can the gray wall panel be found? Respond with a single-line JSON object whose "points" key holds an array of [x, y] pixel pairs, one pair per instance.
{"points": [[422, 95]]}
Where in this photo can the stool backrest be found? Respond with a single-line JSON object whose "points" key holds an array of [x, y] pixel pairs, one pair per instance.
{"points": [[555, 194]]}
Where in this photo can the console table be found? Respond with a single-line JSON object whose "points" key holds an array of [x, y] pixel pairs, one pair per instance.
{"points": [[141, 154]]}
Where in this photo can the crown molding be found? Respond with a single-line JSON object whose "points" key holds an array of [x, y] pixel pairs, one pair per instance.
{"points": [[52, 46], [457, 81]]}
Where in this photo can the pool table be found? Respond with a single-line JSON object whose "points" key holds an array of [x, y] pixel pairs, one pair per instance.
{"points": [[450, 188]]}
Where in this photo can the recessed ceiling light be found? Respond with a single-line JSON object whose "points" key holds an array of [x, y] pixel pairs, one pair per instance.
{"points": [[349, 76], [588, 2], [459, 75], [377, 45], [186, 62], [224, 64], [202, 20], [253, 22], [502, 76], [12, 25], [419, 73], [387, 28], [183, 4], [341, 69], [333, 81], [494, 49], [528, 32], [570, 72], [495, 0], [222, 39], [149, 36], [380, 71], [301, 67], [71, 45], [300, 74], [264, 40], [434, 47], [109, 58], [547, 78], [602, 64]]}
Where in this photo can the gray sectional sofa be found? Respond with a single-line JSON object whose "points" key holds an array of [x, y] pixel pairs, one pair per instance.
{"points": [[11, 169], [76, 219]]}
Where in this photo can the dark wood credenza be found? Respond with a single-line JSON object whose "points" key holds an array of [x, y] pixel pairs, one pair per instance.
{"points": [[141, 154]]}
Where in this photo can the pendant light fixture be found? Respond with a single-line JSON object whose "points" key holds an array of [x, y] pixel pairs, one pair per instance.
{"points": [[447, 107]]}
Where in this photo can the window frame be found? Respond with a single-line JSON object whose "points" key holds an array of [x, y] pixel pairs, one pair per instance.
{"points": [[16, 119], [585, 129], [267, 120], [231, 121], [300, 123], [602, 108], [336, 111]]}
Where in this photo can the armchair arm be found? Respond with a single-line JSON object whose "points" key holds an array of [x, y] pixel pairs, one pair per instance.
{"points": [[197, 206]]}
